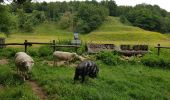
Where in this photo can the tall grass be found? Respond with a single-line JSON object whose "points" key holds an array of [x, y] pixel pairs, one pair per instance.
{"points": [[12, 86], [117, 82]]}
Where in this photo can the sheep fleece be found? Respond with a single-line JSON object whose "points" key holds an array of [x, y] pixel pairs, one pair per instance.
{"points": [[23, 61], [64, 55]]}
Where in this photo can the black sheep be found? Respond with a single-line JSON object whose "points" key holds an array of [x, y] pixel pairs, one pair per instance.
{"points": [[86, 68]]}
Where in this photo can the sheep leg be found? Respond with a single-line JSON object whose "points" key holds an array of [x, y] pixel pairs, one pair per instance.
{"points": [[17, 70], [26, 75], [68, 63], [83, 78], [22, 75], [54, 63], [76, 76]]}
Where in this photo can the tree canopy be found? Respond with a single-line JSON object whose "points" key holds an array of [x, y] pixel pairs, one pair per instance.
{"points": [[80, 16]]}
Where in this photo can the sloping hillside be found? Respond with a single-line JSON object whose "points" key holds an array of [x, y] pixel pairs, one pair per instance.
{"points": [[112, 31]]}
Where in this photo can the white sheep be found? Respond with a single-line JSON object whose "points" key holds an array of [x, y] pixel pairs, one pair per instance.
{"points": [[24, 64], [65, 56]]}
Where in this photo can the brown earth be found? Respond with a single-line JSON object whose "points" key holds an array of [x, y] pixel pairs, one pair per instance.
{"points": [[4, 61], [38, 90], [1, 87], [60, 63]]}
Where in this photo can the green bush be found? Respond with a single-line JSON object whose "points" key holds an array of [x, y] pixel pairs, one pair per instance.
{"points": [[108, 58], [33, 52], [156, 61], [8, 52], [45, 51], [81, 49]]}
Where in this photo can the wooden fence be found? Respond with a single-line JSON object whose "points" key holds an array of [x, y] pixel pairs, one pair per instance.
{"points": [[26, 44], [159, 48]]}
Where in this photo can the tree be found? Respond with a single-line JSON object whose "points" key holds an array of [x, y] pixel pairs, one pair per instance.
{"points": [[91, 16], [111, 5], [123, 10], [5, 19], [144, 18], [66, 21]]}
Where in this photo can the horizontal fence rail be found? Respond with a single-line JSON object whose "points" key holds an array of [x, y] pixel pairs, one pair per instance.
{"points": [[53, 44], [159, 48]]}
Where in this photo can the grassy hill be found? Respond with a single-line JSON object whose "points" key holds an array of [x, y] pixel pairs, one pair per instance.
{"points": [[112, 31]]}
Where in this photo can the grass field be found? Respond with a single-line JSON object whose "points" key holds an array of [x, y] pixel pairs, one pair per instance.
{"points": [[112, 31], [121, 82]]}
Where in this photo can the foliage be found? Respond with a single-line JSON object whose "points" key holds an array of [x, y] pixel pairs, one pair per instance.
{"points": [[108, 58], [111, 5], [156, 61], [124, 20], [90, 17], [45, 51], [5, 19], [66, 21], [27, 21], [8, 52], [146, 16]]}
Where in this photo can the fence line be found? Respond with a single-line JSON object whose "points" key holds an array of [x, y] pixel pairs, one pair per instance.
{"points": [[53, 44], [159, 48]]}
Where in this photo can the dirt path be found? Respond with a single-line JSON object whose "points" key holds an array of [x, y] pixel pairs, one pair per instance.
{"points": [[37, 90], [1, 87], [4, 61]]}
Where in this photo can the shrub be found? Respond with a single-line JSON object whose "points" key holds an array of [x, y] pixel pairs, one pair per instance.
{"points": [[124, 20], [156, 61], [33, 52], [81, 49], [108, 58], [45, 51], [8, 52]]}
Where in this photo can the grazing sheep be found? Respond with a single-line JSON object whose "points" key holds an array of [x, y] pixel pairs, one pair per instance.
{"points": [[24, 63], [65, 56], [86, 68]]}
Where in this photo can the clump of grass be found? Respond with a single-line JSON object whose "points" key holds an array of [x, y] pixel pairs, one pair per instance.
{"points": [[45, 51], [108, 58], [156, 61], [18, 92], [9, 52], [13, 86], [33, 52], [9, 77]]}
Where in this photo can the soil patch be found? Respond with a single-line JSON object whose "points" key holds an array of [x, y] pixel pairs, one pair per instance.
{"points": [[4, 61], [38, 90]]}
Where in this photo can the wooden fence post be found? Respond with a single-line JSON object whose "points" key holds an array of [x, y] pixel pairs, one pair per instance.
{"points": [[54, 47], [159, 49], [25, 43]]}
